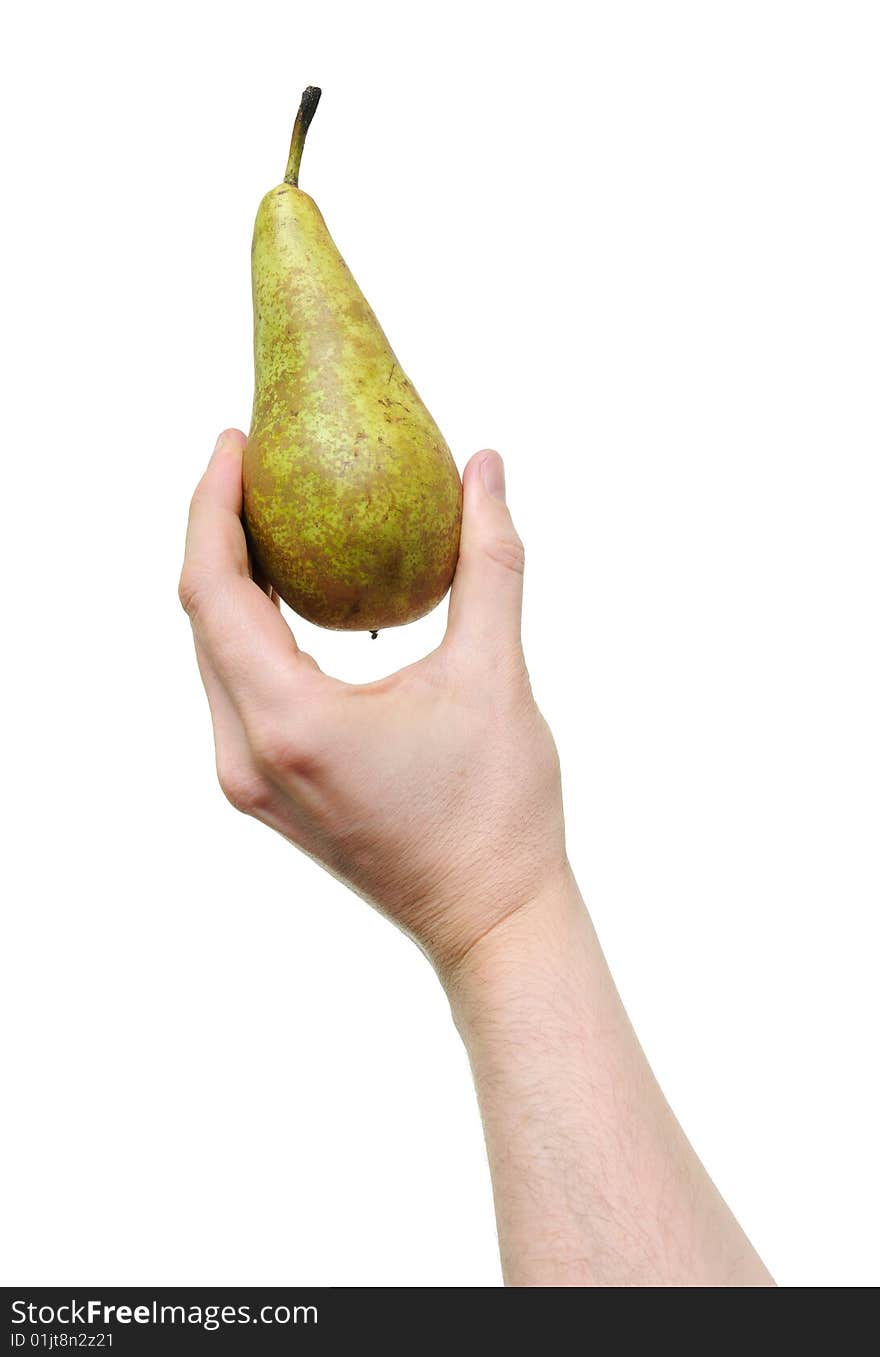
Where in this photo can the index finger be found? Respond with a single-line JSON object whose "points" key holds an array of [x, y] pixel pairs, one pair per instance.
{"points": [[249, 643], [215, 541]]}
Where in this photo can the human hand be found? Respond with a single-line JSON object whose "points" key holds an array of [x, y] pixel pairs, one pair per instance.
{"points": [[434, 793]]}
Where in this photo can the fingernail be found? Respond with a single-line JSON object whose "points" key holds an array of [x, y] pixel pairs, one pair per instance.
{"points": [[492, 471], [219, 444]]}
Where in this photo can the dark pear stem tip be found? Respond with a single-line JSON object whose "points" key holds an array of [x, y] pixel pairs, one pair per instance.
{"points": [[307, 106]]}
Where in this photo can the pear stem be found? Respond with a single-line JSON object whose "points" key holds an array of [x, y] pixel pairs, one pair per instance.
{"points": [[307, 106]]}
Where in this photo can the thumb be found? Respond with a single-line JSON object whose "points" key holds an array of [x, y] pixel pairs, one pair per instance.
{"points": [[486, 603]]}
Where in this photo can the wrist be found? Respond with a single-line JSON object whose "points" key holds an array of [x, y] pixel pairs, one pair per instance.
{"points": [[522, 957]]}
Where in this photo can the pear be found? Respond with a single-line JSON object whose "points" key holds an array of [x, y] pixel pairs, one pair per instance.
{"points": [[352, 501]]}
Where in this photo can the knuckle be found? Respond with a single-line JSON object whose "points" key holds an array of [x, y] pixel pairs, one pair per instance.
{"points": [[186, 592], [190, 591], [285, 750], [507, 551], [197, 499], [243, 788]]}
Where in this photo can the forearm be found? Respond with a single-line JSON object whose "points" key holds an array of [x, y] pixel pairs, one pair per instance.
{"points": [[595, 1183]]}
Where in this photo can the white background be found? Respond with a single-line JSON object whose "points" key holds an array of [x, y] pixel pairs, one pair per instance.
{"points": [[633, 246]]}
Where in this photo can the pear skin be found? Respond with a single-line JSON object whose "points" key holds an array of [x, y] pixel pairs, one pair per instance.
{"points": [[352, 501]]}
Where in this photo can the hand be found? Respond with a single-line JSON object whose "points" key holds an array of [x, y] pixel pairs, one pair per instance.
{"points": [[435, 792]]}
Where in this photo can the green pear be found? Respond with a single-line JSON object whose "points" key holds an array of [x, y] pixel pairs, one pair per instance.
{"points": [[352, 501]]}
